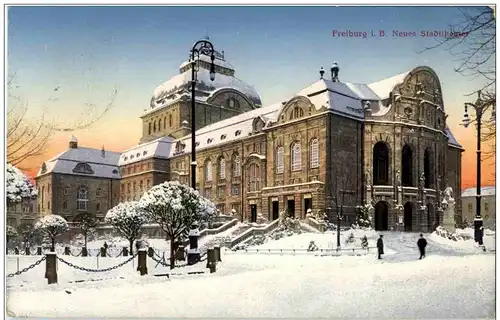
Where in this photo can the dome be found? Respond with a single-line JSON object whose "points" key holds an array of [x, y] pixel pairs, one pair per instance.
{"points": [[179, 86]]}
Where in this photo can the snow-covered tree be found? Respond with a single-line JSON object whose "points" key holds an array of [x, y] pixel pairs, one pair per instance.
{"points": [[127, 218], [176, 207], [51, 226], [11, 233], [363, 216], [87, 225], [18, 186]]}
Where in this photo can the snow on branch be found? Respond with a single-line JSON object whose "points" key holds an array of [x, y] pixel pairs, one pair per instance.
{"points": [[127, 218], [176, 207], [18, 186], [52, 225]]}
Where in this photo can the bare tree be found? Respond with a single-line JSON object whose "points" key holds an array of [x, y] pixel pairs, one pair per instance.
{"points": [[27, 137], [87, 224], [472, 42]]}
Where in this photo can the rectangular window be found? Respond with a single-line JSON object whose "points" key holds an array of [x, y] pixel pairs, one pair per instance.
{"points": [[208, 193], [82, 205], [235, 189], [221, 192]]}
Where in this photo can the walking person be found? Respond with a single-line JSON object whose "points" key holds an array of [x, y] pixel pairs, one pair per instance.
{"points": [[421, 243], [380, 246]]}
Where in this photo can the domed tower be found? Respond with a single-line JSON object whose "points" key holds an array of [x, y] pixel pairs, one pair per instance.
{"points": [[169, 112]]}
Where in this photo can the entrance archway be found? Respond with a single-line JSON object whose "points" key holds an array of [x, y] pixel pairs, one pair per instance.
{"points": [[381, 216], [431, 218], [408, 216]]}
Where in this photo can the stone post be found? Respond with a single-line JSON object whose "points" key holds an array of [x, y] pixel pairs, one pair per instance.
{"points": [[27, 251], [16, 250], [125, 251], [103, 252], [211, 260], [39, 251], [180, 254], [67, 251], [193, 251], [141, 261], [217, 254], [85, 252], [51, 268]]}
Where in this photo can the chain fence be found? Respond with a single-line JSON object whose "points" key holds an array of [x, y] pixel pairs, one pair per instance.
{"points": [[27, 268], [161, 260], [98, 270]]}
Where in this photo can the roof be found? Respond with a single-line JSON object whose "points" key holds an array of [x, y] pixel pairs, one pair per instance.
{"points": [[65, 162], [218, 62], [485, 191], [451, 139], [159, 148], [383, 88], [225, 131]]}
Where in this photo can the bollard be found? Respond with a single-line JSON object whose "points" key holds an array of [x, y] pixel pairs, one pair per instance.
{"points": [[217, 254], [141, 262], [211, 262], [85, 252], [39, 251], [180, 254], [193, 252], [17, 264], [27, 251], [103, 252], [125, 252], [50, 267], [16, 250], [151, 252], [66, 251]]}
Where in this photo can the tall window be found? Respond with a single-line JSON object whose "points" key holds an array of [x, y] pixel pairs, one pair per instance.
{"points": [[236, 166], [314, 153], [165, 123], [149, 128], [280, 160], [170, 120], [296, 157], [154, 126], [82, 202], [159, 124], [222, 168], [208, 171], [254, 177]]}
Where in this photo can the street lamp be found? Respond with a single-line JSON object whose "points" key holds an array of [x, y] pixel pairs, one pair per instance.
{"points": [[340, 214], [480, 106], [201, 47]]}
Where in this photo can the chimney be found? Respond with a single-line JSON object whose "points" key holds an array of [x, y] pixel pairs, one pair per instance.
{"points": [[73, 143], [103, 152]]}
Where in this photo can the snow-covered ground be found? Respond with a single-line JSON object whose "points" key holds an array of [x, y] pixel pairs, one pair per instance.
{"points": [[448, 283], [467, 245]]}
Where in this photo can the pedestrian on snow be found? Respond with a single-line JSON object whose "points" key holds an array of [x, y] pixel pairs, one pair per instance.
{"points": [[380, 246], [422, 243], [105, 245]]}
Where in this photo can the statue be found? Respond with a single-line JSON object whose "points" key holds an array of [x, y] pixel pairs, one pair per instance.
{"points": [[448, 194], [398, 177], [422, 180], [449, 210]]}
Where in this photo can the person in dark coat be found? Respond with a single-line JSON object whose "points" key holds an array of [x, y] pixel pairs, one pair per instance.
{"points": [[105, 245], [422, 243], [380, 246]]}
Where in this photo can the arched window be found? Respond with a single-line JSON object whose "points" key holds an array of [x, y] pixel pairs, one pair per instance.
{"points": [[154, 126], [314, 153], [149, 128], [428, 169], [83, 168], [236, 166], [254, 177], [380, 164], [407, 166], [159, 124], [208, 171], [165, 123], [170, 120], [296, 159], [82, 201], [222, 168], [280, 160]]}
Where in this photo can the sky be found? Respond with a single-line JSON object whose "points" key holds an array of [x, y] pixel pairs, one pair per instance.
{"points": [[66, 60]]}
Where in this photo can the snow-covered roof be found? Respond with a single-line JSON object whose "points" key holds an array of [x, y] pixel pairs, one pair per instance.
{"points": [[451, 139], [383, 87], [485, 191], [159, 148], [101, 166], [225, 131], [217, 62], [180, 84]]}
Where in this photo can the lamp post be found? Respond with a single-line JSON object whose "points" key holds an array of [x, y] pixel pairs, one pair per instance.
{"points": [[340, 214], [201, 47], [479, 106]]}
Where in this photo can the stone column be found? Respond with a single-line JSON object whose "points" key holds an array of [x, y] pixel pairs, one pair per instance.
{"points": [[141, 261], [51, 267]]}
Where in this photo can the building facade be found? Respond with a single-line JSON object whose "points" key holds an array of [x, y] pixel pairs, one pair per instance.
{"points": [[22, 213], [333, 146], [488, 205]]}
